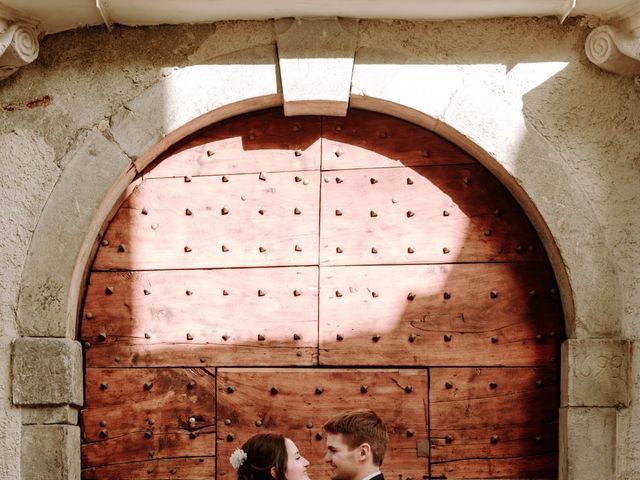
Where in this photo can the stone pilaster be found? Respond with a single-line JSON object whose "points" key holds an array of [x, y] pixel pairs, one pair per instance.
{"points": [[19, 45], [614, 50]]}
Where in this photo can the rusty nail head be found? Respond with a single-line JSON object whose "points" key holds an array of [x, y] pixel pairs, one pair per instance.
{"points": [[173, 471], [258, 423], [148, 385], [203, 359], [339, 180], [382, 135], [262, 249], [532, 293], [88, 315], [230, 389], [193, 434], [225, 292], [319, 436], [298, 353], [493, 294], [338, 213], [262, 176], [103, 433], [227, 421], [338, 293], [274, 390], [446, 295], [493, 385], [188, 293], [147, 292], [494, 439], [154, 226], [445, 213], [487, 232], [309, 424], [410, 433], [261, 337], [224, 210], [104, 242], [373, 180], [225, 179], [210, 153], [296, 211], [261, 293], [122, 248], [305, 181], [319, 390], [375, 338], [519, 249], [298, 179], [298, 153], [538, 439], [187, 178], [147, 434], [539, 383], [375, 294], [447, 337], [364, 389], [87, 344], [327, 179], [187, 249], [410, 250], [117, 359], [225, 248], [339, 152], [189, 336], [338, 128], [448, 385], [426, 153], [373, 214], [103, 423], [102, 337], [412, 337], [297, 293], [297, 336], [191, 384], [466, 180], [410, 214], [497, 212], [448, 438], [411, 296], [192, 420], [374, 250], [230, 437], [408, 388], [225, 337], [298, 248], [339, 337], [445, 250], [188, 212], [151, 421], [539, 339], [108, 291], [494, 339], [338, 249], [409, 181]]}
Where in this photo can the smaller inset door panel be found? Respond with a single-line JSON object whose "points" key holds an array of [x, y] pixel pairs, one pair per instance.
{"points": [[417, 215], [493, 423], [196, 468], [472, 314], [264, 141], [203, 223], [296, 403], [169, 415], [367, 140], [202, 317]]}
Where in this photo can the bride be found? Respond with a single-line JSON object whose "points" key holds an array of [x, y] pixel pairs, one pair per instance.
{"points": [[269, 456]]}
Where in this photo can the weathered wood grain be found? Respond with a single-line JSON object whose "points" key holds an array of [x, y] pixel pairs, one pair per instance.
{"points": [[298, 411], [158, 400], [437, 219], [516, 406], [366, 139], [210, 223], [198, 468], [262, 141], [407, 309], [277, 304]]}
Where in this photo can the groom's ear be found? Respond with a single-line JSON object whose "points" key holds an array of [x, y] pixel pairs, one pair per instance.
{"points": [[364, 451], [273, 472]]}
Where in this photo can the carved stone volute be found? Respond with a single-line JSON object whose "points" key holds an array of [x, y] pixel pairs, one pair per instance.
{"points": [[614, 50], [19, 46]]}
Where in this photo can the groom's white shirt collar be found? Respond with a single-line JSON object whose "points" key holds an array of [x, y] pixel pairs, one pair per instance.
{"points": [[369, 477]]}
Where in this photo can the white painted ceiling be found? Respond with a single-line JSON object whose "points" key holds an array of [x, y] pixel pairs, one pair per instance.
{"points": [[58, 15]]}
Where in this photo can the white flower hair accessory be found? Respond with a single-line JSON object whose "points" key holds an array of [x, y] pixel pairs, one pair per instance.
{"points": [[237, 458]]}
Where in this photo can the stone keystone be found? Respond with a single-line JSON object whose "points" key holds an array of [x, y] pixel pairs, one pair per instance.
{"points": [[47, 372], [316, 58]]}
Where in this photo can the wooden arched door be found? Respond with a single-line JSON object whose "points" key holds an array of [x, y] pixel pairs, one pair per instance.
{"points": [[269, 272]]}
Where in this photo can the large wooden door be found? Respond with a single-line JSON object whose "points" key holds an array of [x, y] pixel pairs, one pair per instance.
{"points": [[269, 272]]}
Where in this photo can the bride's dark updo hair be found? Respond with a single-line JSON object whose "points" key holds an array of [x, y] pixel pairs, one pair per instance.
{"points": [[264, 451]]}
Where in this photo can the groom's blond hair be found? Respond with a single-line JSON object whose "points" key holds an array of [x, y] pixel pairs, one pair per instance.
{"points": [[358, 427]]}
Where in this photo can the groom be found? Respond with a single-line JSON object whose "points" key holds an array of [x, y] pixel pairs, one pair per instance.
{"points": [[356, 443]]}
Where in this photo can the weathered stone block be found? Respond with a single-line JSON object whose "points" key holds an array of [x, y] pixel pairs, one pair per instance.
{"points": [[316, 58], [587, 443], [63, 415], [50, 452], [595, 373], [47, 371]]}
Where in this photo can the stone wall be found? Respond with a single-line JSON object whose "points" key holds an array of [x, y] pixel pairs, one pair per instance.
{"points": [[77, 124]]}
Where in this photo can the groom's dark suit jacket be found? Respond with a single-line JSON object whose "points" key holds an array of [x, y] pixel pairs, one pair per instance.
{"points": [[378, 477]]}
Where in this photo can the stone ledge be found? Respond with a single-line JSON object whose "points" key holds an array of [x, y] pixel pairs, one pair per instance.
{"points": [[64, 415], [596, 373], [47, 372], [50, 452]]}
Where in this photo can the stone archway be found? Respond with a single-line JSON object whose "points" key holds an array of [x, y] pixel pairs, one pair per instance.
{"points": [[472, 118]]}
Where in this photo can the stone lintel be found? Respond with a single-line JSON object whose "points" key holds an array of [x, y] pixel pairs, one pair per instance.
{"points": [[19, 44], [587, 443], [47, 372], [595, 373], [614, 50], [316, 57], [50, 452]]}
